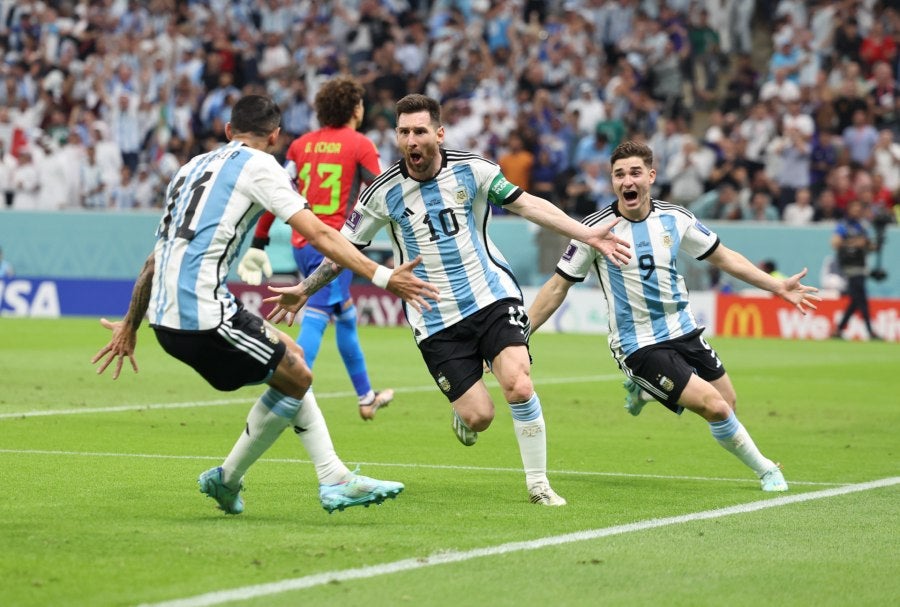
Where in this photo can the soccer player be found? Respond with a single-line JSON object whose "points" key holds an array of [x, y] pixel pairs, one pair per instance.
{"points": [[212, 202], [653, 334], [330, 165], [434, 202]]}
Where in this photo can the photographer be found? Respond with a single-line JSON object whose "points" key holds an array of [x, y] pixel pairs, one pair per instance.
{"points": [[852, 243]]}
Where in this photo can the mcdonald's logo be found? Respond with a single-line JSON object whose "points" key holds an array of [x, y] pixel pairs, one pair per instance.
{"points": [[743, 321]]}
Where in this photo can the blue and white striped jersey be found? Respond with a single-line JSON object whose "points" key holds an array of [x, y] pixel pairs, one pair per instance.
{"points": [[212, 201], [445, 220], [647, 296]]}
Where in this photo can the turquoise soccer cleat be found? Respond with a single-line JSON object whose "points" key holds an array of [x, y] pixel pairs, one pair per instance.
{"points": [[228, 499], [358, 491], [773, 480]]}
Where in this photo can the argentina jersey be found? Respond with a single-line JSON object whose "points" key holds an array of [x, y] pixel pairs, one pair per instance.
{"points": [[212, 202], [445, 220], [649, 300]]}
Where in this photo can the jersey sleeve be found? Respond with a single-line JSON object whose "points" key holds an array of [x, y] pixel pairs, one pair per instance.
{"points": [[698, 240], [272, 188], [576, 261], [369, 161], [264, 225], [365, 221], [501, 191]]}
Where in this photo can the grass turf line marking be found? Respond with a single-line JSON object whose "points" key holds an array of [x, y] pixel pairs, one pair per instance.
{"points": [[444, 558], [248, 400], [277, 460]]}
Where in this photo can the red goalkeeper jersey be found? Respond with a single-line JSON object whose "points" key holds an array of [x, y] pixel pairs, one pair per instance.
{"points": [[332, 165]]}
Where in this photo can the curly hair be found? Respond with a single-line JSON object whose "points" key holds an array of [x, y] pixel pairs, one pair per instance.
{"points": [[337, 100]]}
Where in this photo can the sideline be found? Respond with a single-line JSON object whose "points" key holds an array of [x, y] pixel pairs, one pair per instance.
{"points": [[443, 558], [248, 400]]}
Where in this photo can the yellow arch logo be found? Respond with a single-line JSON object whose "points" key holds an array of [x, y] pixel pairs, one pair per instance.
{"points": [[743, 321]]}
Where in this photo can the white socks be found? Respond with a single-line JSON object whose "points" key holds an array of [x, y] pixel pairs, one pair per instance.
{"points": [[528, 424], [266, 421], [732, 435], [309, 425]]}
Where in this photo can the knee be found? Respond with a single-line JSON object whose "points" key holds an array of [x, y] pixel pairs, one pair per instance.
{"points": [[297, 377], [479, 421], [518, 388]]}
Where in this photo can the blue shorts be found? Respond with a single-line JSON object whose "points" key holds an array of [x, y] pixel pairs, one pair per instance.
{"points": [[330, 298]]}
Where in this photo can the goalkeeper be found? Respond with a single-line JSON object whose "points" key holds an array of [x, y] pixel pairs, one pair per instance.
{"points": [[330, 166]]}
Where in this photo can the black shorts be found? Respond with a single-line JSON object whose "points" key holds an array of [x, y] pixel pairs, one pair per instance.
{"points": [[240, 352], [664, 369], [455, 356]]}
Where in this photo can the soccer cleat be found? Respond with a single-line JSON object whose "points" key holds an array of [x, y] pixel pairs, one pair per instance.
{"points": [[773, 480], [545, 496], [382, 398], [633, 401], [229, 499], [358, 491], [465, 434]]}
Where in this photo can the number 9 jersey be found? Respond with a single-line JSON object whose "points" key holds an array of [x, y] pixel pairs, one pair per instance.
{"points": [[648, 295], [445, 220]]}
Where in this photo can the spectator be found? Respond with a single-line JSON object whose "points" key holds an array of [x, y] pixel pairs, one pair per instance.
{"points": [[801, 211], [688, 171], [761, 208], [860, 138], [7, 168], [94, 190], [826, 207], [517, 162], [26, 183]]}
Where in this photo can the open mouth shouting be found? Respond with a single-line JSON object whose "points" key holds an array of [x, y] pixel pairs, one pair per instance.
{"points": [[630, 195]]}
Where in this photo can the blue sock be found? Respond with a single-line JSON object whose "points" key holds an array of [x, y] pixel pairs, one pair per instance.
{"points": [[351, 351], [725, 429], [311, 332], [528, 411]]}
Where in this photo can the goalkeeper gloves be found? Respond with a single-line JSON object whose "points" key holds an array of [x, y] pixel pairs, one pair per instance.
{"points": [[254, 264]]}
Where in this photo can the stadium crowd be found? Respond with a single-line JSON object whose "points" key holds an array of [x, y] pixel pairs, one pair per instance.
{"points": [[767, 110]]}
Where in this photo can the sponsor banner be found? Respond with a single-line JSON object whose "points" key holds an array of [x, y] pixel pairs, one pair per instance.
{"points": [[374, 306], [741, 316], [55, 297]]}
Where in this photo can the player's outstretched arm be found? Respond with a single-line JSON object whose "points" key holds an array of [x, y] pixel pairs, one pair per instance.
{"points": [[548, 300], [544, 213], [790, 289], [124, 332]]}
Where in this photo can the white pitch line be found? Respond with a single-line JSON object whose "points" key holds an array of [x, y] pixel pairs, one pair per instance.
{"points": [[275, 460], [444, 558], [248, 400]]}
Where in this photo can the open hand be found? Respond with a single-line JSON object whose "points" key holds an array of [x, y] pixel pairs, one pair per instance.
{"points": [[121, 345]]}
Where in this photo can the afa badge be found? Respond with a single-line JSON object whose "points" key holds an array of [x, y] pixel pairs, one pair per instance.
{"points": [[443, 383], [666, 384]]}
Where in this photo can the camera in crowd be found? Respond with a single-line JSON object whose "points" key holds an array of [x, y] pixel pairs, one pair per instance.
{"points": [[880, 222]]}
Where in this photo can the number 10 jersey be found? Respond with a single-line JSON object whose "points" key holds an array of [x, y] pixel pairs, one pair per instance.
{"points": [[445, 220]]}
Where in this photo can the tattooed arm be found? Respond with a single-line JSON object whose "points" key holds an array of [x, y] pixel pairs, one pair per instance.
{"points": [[124, 336], [290, 299]]}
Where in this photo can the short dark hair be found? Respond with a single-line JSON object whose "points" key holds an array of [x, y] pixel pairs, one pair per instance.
{"points": [[337, 100], [414, 103], [255, 114], [627, 149]]}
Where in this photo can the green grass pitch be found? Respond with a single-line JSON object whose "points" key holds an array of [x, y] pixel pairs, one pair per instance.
{"points": [[100, 507]]}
